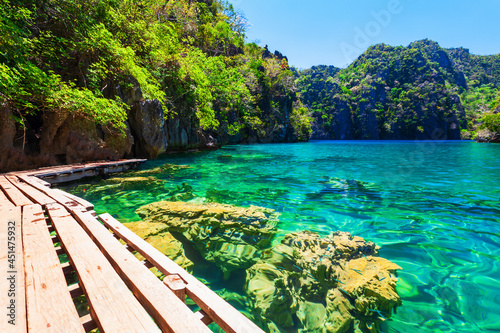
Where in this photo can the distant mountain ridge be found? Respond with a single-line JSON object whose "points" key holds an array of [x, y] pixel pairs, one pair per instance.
{"points": [[416, 92]]}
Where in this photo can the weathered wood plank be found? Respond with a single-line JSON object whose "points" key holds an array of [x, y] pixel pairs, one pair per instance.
{"points": [[4, 201], [74, 172], [154, 256], [32, 193], [84, 203], [51, 193], [12, 288], [16, 196], [218, 310], [221, 312], [113, 306], [49, 304], [38, 180], [169, 312]]}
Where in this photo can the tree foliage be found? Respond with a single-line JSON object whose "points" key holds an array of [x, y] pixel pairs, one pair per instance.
{"points": [[402, 92], [80, 56]]}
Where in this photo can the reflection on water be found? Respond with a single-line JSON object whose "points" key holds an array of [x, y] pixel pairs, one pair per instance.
{"points": [[434, 207]]}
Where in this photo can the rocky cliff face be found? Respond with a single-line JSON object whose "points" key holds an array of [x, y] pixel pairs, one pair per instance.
{"points": [[60, 138], [478, 69], [395, 93], [79, 84]]}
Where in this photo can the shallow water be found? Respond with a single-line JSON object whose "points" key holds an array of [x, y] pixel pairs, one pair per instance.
{"points": [[433, 207]]}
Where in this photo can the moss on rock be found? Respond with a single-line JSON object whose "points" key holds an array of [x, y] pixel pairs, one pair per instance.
{"points": [[332, 284], [232, 237], [158, 236]]}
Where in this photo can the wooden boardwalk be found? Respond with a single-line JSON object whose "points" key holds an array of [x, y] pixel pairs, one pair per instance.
{"points": [[56, 253]]}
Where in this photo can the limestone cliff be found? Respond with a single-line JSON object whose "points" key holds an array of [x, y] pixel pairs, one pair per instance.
{"points": [[418, 92]]}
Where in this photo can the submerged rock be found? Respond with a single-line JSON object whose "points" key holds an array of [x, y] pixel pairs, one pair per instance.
{"points": [[112, 185], [232, 237], [348, 188], [133, 180], [182, 192], [158, 236], [163, 169], [255, 194], [332, 284]]}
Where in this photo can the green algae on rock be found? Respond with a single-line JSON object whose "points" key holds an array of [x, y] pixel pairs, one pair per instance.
{"points": [[158, 236], [331, 284], [134, 180], [183, 192], [343, 188], [163, 169], [112, 185], [232, 237]]}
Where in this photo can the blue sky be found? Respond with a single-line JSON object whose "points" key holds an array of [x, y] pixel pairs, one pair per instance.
{"points": [[333, 32]]}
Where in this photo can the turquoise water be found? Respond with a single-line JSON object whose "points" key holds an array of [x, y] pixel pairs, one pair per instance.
{"points": [[433, 207]]}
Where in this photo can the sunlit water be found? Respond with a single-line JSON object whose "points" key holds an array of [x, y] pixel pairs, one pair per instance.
{"points": [[433, 207]]}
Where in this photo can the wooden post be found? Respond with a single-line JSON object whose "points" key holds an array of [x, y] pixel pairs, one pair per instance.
{"points": [[177, 285]]}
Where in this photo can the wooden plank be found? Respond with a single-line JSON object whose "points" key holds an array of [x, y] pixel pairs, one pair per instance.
{"points": [[46, 190], [112, 305], [78, 167], [53, 194], [169, 312], [148, 265], [134, 242], [55, 239], [16, 196], [4, 201], [226, 316], [59, 250], [12, 289], [84, 203], [76, 172], [50, 307], [32, 193], [38, 180], [67, 268]]}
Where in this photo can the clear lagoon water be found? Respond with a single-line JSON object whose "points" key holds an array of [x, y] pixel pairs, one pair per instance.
{"points": [[433, 207]]}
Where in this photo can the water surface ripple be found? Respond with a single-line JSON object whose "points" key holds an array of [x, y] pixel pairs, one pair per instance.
{"points": [[433, 207]]}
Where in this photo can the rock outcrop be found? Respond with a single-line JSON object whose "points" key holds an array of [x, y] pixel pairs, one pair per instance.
{"points": [[486, 136], [332, 284], [59, 138], [232, 237], [388, 93], [148, 125], [308, 283], [343, 188], [158, 236], [163, 169]]}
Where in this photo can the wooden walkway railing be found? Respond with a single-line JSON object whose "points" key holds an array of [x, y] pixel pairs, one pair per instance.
{"points": [[55, 250]]}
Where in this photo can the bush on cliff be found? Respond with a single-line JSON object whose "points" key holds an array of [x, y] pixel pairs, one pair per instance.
{"points": [[84, 57], [421, 91]]}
